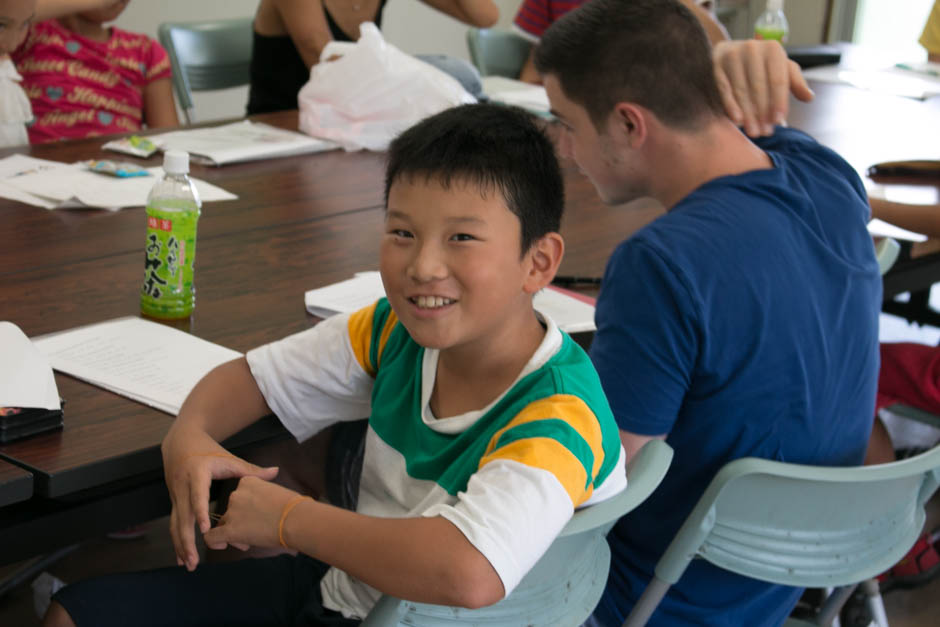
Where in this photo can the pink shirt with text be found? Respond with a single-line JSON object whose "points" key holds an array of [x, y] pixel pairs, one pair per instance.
{"points": [[79, 87]]}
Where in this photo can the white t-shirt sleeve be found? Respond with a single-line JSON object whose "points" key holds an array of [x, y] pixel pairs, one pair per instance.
{"points": [[511, 513], [312, 379]]}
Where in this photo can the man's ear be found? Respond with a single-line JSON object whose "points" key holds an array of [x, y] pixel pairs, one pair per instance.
{"points": [[628, 122], [543, 259]]}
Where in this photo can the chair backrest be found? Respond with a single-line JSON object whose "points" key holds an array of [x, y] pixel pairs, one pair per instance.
{"points": [[206, 55], [497, 52], [801, 525], [566, 584], [886, 252]]}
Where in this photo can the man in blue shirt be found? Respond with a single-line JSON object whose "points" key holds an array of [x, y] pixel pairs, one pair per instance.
{"points": [[744, 321]]}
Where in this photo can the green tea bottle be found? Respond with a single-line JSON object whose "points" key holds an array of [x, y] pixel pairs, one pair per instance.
{"points": [[772, 24], [173, 208]]}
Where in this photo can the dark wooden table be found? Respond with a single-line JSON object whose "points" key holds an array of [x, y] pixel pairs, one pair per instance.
{"points": [[16, 484], [299, 223]]}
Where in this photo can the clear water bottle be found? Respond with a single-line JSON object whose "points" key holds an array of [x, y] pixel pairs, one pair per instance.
{"points": [[173, 209], [772, 24]]}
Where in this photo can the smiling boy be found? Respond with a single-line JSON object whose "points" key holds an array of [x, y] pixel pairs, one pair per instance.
{"points": [[487, 424]]}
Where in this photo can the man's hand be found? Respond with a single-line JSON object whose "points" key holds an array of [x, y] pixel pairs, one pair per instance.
{"points": [[755, 79]]}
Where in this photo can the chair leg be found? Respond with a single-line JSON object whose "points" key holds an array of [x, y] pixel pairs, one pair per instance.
{"points": [[875, 603], [833, 603], [641, 612]]}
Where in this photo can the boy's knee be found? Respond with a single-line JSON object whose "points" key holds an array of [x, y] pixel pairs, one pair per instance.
{"points": [[56, 616]]}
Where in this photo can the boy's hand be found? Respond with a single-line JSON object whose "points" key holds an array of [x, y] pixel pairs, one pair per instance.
{"points": [[755, 79], [253, 516], [188, 481]]}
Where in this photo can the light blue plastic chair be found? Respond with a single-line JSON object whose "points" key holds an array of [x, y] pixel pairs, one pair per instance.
{"points": [[565, 585], [207, 55], [799, 525], [887, 251], [497, 52]]}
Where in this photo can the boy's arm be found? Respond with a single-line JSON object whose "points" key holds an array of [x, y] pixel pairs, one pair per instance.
{"points": [[480, 13], [159, 108], [225, 401], [48, 9], [424, 559]]}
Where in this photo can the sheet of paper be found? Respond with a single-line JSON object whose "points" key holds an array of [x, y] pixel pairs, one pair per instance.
{"points": [[510, 91], [15, 165], [569, 313], [880, 228], [241, 141], [149, 362], [26, 379], [77, 183], [891, 80]]}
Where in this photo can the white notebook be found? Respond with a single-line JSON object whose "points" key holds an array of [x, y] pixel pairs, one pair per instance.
{"points": [[146, 361], [569, 312], [240, 141]]}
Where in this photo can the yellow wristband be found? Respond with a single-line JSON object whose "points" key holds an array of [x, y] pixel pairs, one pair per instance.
{"points": [[291, 504]]}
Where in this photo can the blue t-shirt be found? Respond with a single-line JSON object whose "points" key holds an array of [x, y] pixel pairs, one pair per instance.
{"points": [[744, 322]]}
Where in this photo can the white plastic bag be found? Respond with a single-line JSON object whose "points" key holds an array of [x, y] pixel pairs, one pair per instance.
{"points": [[373, 92]]}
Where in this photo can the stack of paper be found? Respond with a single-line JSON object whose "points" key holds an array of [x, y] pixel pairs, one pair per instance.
{"points": [[240, 141], [146, 361], [570, 312], [512, 92], [56, 185]]}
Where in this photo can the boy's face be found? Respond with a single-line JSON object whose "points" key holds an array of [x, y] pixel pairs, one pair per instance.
{"points": [[15, 18], [107, 14], [599, 155], [450, 261]]}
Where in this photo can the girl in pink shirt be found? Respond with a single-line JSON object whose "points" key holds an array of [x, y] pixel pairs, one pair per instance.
{"points": [[85, 79]]}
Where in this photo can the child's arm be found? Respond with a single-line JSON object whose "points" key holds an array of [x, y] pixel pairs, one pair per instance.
{"points": [[424, 559], [159, 108], [225, 401], [918, 218], [481, 13], [48, 9]]}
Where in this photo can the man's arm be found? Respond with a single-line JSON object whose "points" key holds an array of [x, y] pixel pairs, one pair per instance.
{"points": [[632, 443], [755, 79]]}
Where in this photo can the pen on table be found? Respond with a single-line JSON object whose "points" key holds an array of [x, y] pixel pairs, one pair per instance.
{"points": [[569, 280]]}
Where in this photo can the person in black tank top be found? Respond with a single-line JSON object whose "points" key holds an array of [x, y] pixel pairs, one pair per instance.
{"points": [[278, 71]]}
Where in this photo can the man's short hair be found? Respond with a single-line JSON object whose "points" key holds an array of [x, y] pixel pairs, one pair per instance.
{"points": [[497, 148], [651, 52]]}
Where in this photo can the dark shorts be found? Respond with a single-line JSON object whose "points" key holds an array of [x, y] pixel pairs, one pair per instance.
{"points": [[282, 590]]}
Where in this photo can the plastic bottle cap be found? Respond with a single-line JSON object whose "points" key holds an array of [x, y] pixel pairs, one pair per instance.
{"points": [[176, 162], [775, 5]]}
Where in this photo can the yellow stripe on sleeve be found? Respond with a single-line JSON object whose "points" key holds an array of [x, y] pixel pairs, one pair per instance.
{"points": [[390, 323], [552, 456], [572, 410], [360, 336]]}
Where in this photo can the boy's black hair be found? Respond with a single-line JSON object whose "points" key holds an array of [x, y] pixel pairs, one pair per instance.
{"points": [[651, 52], [495, 147]]}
